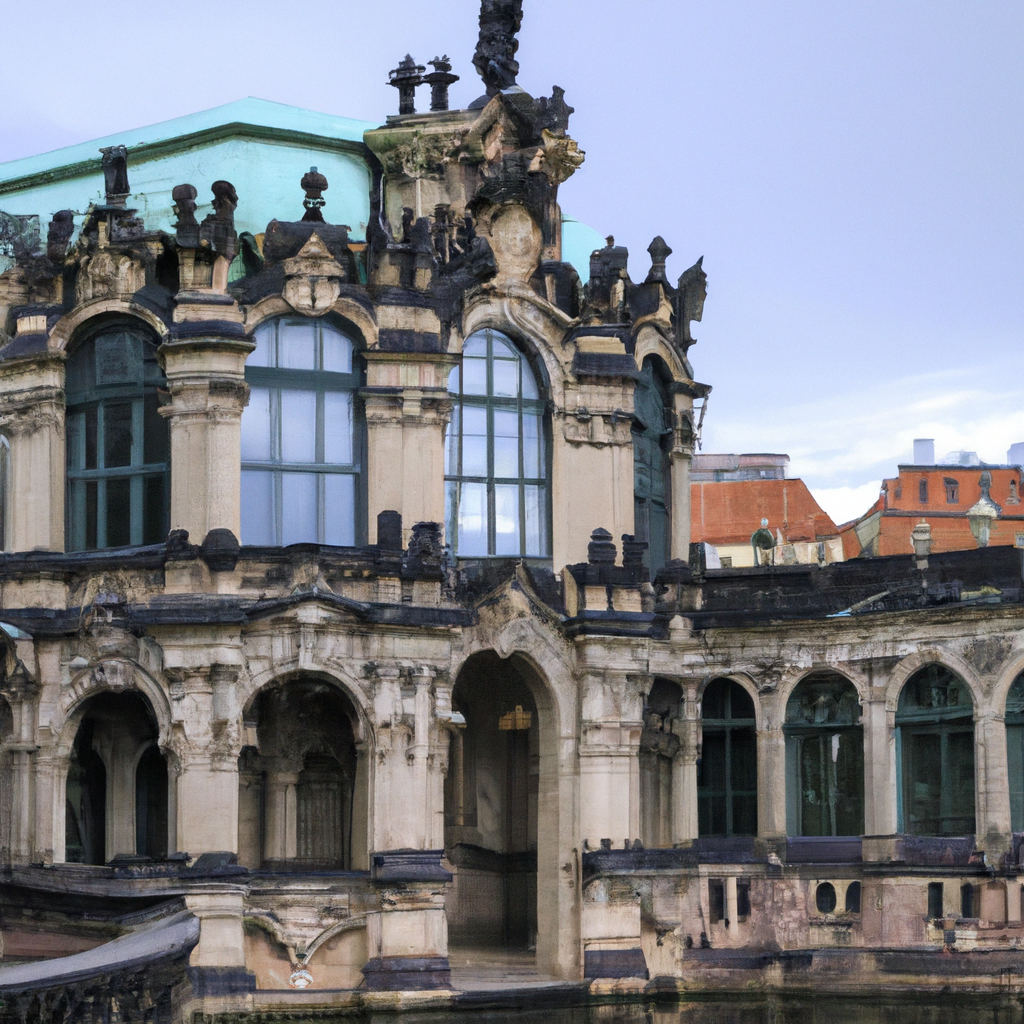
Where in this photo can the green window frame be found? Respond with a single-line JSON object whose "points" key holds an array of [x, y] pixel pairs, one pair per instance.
{"points": [[302, 436], [824, 758], [652, 434], [118, 444], [497, 454], [1015, 751], [935, 754], [727, 770], [5, 494]]}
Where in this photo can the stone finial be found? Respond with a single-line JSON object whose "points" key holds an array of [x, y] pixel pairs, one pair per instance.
{"points": [[439, 80], [921, 540], [693, 290], [660, 252], [186, 228], [389, 530], [601, 549], [314, 184], [632, 551], [58, 234], [495, 57], [115, 175], [405, 78], [218, 229]]}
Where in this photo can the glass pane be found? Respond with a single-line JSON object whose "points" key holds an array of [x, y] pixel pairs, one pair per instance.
{"points": [[451, 444], [506, 519], [453, 381], [958, 807], [256, 427], [536, 521], [257, 507], [502, 348], [119, 512], [711, 806], [505, 374], [529, 383], [506, 457], [264, 336], [153, 529], [1015, 764], [117, 433], [474, 441], [533, 447], [118, 359], [298, 508], [476, 345], [338, 427], [473, 519], [922, 773], [337, 351], [339, 509], [295, 339], [298, 426], [91, 431], [156, 440], [474, 376], [74, 439]]}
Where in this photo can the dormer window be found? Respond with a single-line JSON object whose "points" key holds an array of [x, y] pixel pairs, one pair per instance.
{"points": [[301, 451], [922, 492], [496, 454], [118, 444], [952, 491]]}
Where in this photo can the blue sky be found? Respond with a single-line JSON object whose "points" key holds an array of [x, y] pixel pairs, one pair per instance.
{"points": [[851, 172]]}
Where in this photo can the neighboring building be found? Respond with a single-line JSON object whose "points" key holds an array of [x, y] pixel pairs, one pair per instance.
{"points": [[317, 657], [710, 467], [944, 494], [726, 514]]}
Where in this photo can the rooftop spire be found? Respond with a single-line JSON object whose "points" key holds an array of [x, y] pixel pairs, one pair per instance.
{"points": [[495, 56]]}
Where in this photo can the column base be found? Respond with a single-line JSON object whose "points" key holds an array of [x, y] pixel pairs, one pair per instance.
{"points": [[615, 963], [406, 973], [220, 981]]}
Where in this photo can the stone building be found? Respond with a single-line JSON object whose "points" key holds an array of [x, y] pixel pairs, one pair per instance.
{"points": [[348, 617]]}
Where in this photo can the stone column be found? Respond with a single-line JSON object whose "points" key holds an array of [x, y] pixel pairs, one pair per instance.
{"points": [[992, 811], [685, 825], [205, 366], [771, 774], [879, 766], [407, 410], [282, 815], [217, 963], [408, 936], [32, 420], [592, 457]]}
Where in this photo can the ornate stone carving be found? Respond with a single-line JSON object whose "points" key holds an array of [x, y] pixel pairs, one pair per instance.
{"points": [[495, 57], [313, 278], [693, 290]]}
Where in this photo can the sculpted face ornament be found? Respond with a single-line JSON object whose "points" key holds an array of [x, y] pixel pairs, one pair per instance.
{"points": [[693, 290], [300, 978]]}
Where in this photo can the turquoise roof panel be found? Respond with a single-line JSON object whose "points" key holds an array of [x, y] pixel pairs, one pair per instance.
{"points": [[578, 242]]}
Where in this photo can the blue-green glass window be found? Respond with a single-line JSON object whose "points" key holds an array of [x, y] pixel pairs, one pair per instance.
{"points": [[652, 438], [496, 454], [935, 751], [824, 758], [1015, 751], [727, 769], [301, 436], [118, 444]]}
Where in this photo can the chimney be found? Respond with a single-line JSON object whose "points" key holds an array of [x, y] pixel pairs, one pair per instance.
{"points": [[924, 451], [1015, 456]]}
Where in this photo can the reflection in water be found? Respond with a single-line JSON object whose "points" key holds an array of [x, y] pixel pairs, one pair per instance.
{"points": [[966, 1008]]}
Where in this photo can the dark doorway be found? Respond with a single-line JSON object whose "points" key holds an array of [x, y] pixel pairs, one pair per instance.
{"points": [[86, 801], [151, 805], [491, 807], [727, 770]]}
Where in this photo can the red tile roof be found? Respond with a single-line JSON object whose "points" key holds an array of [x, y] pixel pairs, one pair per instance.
{"points": [[729, 511]]}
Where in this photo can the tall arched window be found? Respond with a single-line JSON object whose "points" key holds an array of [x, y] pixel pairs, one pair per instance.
{"points": [[496, 459], [118, 444], [1015, 751], [301, 442], [652, 435], [935, 748], [727, 772], [824, 758]]}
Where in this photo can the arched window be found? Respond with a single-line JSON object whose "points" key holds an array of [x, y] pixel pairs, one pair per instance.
{"points": [[118, 444], [652, 435], [5, 494], [496, 457], [1015, 751], [824, 758], [727, 771], [935, 749], [301, 442]]}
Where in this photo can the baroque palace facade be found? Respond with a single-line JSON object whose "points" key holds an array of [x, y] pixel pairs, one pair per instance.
{"points": [[349, 612]]}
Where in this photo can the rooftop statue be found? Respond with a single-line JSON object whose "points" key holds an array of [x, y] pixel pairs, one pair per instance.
{"points": [[495, 56]]}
